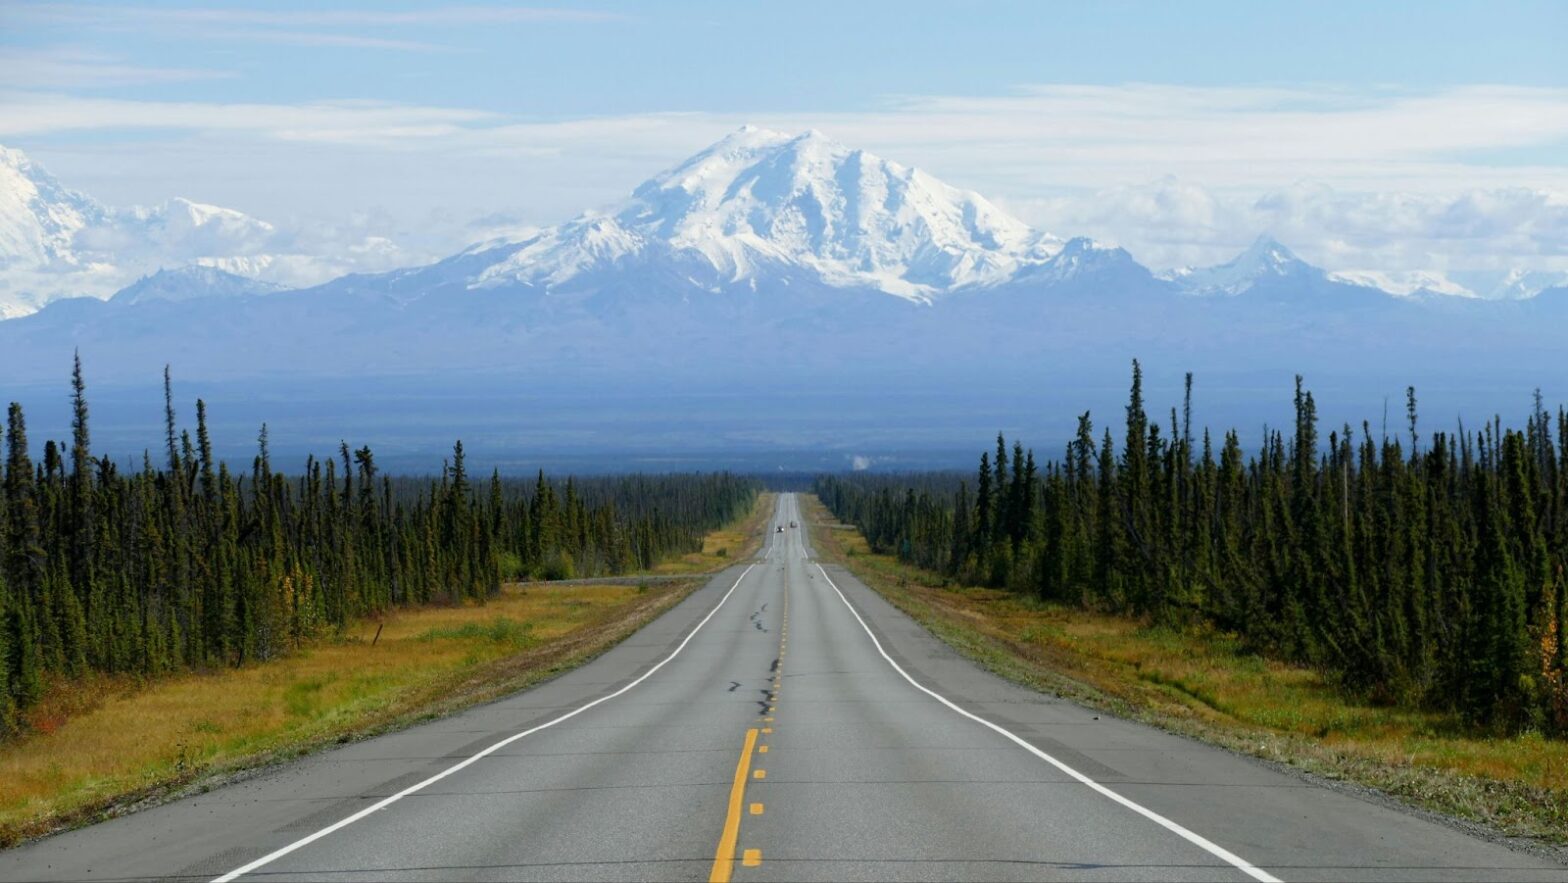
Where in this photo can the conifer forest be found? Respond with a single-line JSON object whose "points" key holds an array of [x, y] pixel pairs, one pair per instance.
{"points": [[1416, 569], [187, 563]]}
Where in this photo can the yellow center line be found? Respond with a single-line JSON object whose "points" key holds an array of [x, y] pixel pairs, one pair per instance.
{"points": [[724, 859]]}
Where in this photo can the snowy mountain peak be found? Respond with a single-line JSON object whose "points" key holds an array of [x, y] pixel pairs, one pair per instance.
{"points": [[760, 202], [1266, 254], [39, 217], [202, 229], [1082, 257], [1478, 284], [1406, 284], [1264, 259], [189, 283], [58, 243]]}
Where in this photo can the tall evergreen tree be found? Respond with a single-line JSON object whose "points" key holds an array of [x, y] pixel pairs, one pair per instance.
{"points": [[1426, 572]]}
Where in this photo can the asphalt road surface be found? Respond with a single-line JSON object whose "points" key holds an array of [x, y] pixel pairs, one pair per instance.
{"points": [[782, 723]]}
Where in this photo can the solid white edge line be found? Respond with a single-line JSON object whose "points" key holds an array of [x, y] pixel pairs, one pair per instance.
{"points": [[388, 801], [1212, 848]]}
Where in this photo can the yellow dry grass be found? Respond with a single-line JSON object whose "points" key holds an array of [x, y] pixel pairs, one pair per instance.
{"points": [[1203, 683], [98, 744], [106, 739], [724, 546]]}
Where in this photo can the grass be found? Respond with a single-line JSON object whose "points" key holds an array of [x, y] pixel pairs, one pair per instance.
{"points": [[99, 746], [725, 546], [1203, 684], [104, 742]]}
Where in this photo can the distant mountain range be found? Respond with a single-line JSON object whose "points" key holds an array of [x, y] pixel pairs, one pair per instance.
{"points": [[757, 209], [57, 243], [766, 262]]}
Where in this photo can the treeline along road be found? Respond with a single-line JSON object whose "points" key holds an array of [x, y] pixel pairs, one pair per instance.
{"points": [[1424, 570], [189, 563]]}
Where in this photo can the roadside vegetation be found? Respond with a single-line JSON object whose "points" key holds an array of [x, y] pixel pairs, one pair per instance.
{"points": [[1202, 681], [163, 626], [1425, 573], [103, 743], [191, 566], [736, 541]]}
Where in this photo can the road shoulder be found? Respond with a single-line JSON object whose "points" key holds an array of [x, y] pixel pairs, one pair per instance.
{"points": [[950, 656]]}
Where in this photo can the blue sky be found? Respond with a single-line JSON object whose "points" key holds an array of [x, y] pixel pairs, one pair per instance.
{"points": [[1397, 136], [614, 58]]}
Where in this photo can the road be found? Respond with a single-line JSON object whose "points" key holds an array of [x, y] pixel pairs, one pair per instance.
{"points": [[782, 723]]}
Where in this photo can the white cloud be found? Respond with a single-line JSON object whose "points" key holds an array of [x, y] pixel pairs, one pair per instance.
{"points": [[67, 66], [300, 27], [104, 14], [319, 38], [347, 122], [178, 232], [1060, 136], [1170, 223]]}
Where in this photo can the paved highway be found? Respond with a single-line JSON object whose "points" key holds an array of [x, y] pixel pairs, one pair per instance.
{"points": [[782, 723]]}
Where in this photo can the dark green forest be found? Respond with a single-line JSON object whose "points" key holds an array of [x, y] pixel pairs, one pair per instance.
{"points": [[183, 563], [1424, 571]]}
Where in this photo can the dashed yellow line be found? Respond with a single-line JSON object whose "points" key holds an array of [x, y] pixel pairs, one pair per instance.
{"points": [[724, 859]]}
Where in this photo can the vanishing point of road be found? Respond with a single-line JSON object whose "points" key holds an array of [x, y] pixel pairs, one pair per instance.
{"points": [[781, 723]]}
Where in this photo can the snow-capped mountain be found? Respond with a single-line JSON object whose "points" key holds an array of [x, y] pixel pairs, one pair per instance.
{"points": [[1407, 284], [765, 264], [39, 218], [1508, 284], [760, 206], [1474, 284], [768, 277], [39, 222], [189, 283], [56, 242], [1084, 258], [1264, 262], [758, 211]]}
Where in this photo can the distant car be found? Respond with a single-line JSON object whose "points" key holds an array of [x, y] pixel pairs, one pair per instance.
{"points": [[781, 528], [792, 524]]}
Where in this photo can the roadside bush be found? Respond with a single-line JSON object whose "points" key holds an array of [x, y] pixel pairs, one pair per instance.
{"points": [[559, 566]]}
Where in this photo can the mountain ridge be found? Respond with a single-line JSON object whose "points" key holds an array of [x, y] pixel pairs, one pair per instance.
{"points": [[756, 210], [841, 267], [58, 243]]}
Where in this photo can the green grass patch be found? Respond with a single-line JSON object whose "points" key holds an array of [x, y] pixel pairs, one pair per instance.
{"points": [[500, 630]]}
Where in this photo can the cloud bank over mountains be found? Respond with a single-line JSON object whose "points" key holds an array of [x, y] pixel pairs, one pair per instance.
{"points": [[1402, 235]]}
